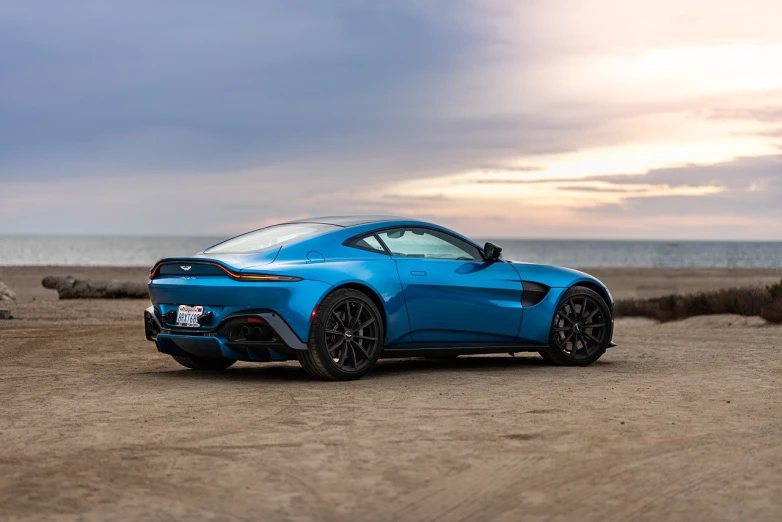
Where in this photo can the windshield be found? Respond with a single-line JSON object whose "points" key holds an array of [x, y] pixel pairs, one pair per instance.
{"points": [[268, 237]]}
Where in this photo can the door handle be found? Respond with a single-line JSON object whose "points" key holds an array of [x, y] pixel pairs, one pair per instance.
{"points": [[417, 273]]}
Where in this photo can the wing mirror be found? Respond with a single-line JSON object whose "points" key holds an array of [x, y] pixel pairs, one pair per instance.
{"points": [[492, 251]]}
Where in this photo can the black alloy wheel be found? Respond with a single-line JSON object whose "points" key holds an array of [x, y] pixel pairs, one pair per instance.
{"points": [[351, 335], [346, 337], [581, 329]]}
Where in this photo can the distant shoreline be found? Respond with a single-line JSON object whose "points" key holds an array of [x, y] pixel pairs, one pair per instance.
{"points": [[624, 283], [145, 251]]}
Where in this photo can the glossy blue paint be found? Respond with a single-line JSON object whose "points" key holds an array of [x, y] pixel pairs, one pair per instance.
{"points": [[536, 323], [423, 300], [555, 276], [224, 296], [460, 301]]}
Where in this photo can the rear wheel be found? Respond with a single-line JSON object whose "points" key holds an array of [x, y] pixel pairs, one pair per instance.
{"points": [[197, 363], [346, 337], [581, 330]]}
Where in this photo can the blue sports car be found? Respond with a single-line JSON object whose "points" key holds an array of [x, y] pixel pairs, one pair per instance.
{"points": [[338, 293]]}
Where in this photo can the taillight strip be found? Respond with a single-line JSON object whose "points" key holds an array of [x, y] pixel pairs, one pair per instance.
{"points": [[235, 275]]}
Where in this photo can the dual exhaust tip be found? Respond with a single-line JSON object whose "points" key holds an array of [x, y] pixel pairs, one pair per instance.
{"points": [[250, 333]]}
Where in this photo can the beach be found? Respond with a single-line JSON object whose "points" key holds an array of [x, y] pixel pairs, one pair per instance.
{"points": [[680, 421]]}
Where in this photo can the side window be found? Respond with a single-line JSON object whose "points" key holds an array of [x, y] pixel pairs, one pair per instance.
{"points": [[429, 244], [369, 243]]}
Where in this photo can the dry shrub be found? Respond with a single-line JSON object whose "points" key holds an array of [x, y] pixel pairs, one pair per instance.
{"points": [[761, 302]]}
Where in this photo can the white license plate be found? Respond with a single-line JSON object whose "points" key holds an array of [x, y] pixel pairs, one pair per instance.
{"points": [[188, 316]]}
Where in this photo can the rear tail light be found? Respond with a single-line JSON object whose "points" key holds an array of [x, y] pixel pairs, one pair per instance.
{"points": [[239, 276], [266, 277]]}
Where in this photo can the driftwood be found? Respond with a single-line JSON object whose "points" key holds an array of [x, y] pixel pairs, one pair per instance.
{"points": [[6, 294], [71, 288]]}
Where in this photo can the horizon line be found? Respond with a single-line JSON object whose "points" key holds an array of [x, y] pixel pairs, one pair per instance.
{"points": [[494, 238]]}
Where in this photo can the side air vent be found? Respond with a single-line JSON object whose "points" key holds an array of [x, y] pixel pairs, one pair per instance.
{"points": [[533, 293]]}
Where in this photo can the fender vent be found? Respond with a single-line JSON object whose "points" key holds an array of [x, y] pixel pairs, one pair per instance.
{"points": [[533, 293]]}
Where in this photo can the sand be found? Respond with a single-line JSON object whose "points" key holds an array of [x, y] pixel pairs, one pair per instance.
{"points": [[680, 422]]}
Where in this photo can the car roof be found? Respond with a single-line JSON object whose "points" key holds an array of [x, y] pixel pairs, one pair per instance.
{"points": [[350, 221], [364, 224]]}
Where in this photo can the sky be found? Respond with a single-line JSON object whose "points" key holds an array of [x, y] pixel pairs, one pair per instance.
{"points": [[498, 118]]}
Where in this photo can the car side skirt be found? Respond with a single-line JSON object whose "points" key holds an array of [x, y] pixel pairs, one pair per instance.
{"points": [[412, 350]]}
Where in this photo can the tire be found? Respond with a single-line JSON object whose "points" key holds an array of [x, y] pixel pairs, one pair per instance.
{"points": [[581, 329], [346, 337], [546, 356], [204, 364]]}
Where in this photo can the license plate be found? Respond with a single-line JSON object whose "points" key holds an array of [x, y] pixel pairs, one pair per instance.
{"points": [[188, 316]]}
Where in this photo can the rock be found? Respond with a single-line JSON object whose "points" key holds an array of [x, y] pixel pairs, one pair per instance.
{"points": [[6, 294], [5, 314], [71, 288]]}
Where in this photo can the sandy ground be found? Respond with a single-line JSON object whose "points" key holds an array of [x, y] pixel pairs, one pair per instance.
{"points": [[680, 422]]}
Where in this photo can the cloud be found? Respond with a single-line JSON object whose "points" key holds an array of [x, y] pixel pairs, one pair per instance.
{"points": [[747, 207], [120, 116], [185, 86], [737, 175]]}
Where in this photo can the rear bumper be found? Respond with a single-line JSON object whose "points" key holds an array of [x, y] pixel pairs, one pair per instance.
{"points": [[224, 297], [214, 344]]}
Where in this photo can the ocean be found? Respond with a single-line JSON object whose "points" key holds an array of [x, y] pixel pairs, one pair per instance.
{"points": [[144, 251]]}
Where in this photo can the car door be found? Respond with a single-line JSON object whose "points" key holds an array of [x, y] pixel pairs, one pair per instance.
{"points": [[452, 294]]}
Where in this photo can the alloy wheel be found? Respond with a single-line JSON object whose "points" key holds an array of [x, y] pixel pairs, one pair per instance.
{"points": [[580, 327], [352, 335]]}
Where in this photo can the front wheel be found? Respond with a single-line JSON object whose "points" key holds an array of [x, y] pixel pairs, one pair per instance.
{"points": [[581, 329], [199, 363], [346, 337]]}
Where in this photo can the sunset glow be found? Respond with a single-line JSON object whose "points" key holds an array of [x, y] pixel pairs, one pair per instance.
{"points": [[558, 177], [613, 119]]}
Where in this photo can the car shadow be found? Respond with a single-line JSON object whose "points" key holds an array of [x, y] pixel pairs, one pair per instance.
{"points": [[465, 364], [262, 371], [292, 372]]}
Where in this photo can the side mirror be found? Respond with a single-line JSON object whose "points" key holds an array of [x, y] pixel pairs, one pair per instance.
{"points": [[492, 251]]}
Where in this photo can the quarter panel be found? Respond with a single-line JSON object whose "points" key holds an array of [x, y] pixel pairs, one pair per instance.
{"points": [[375, 271]]}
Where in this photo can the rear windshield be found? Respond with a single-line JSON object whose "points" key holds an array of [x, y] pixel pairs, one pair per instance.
{"points": [[268, 237]]}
